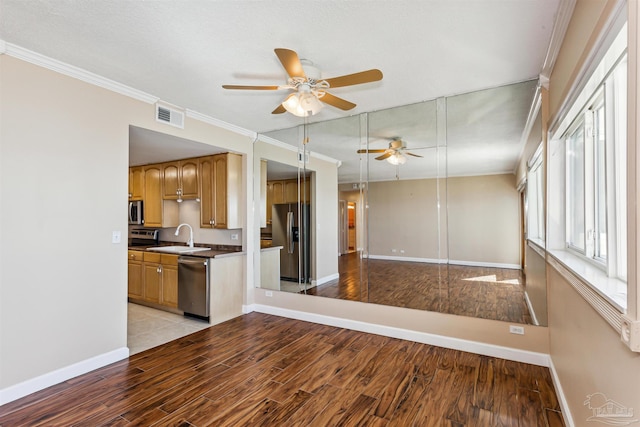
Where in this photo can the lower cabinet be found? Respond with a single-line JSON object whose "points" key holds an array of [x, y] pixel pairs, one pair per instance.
{"points": [[153, 277], [136, 289], [169, 294]]}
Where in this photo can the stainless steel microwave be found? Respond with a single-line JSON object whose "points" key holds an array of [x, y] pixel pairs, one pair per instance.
{"points": [[136, 213]]}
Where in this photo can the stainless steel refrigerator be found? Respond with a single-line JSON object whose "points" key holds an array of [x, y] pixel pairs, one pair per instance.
{"points": [[290, 229]]}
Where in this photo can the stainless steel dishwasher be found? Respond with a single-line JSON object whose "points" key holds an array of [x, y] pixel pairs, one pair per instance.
{"points": [[193, 285]]}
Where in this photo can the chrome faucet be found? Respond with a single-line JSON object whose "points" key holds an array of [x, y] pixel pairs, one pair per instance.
{"points": [[190, 241]]}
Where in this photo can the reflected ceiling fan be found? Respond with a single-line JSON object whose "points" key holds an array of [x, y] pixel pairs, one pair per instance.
{"points": [[396, 153], [310, 90]]}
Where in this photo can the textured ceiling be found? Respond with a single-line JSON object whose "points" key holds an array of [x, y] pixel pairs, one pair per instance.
{"points": [[182, 52]]}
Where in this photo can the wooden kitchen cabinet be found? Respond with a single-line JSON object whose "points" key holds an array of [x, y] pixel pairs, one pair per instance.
{"points": [[157, 211], [180, 179], [135, 274], [220, 178], [153, 277], [291, 191], [136, 183], [169, 281], [286, 191]]}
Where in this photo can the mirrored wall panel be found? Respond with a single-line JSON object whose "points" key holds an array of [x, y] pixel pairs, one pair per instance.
{"points": [[430, 212]]}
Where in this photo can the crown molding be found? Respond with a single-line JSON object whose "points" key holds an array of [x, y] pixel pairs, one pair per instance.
{"points": [[560, 25], [221, 124], [289, 147], [103, 82], [75, 72]]}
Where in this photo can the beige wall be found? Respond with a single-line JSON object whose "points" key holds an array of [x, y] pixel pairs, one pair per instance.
{"points": [[403, 219], [586, 352], [482, 214], [484, 219], [63, 180]]}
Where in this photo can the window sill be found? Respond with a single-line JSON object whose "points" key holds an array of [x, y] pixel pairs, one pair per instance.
{"points": [[614, 291]]}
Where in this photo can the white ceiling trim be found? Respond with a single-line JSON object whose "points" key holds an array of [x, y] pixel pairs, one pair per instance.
{"points": [[277, 143], [560, 24], [97, 80], [221, 124], [75, 72]]}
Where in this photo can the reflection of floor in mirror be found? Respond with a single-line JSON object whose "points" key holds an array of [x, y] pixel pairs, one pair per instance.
{"points": [[484, 292]]}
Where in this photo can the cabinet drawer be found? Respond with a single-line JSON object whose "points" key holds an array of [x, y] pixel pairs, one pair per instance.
{"points": [[151, 257], [135, 255], [166, 259]]}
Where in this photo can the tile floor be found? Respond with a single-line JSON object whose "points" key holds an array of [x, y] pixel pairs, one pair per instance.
{"points": [[288, 286], [148, 327]]}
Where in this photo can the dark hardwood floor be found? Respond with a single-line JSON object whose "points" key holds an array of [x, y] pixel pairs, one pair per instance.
{"points": [[483, 292], [263, 370]]}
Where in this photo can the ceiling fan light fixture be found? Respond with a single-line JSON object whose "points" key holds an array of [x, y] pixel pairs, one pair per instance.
{"points": [[302, 104], [397, 159]]}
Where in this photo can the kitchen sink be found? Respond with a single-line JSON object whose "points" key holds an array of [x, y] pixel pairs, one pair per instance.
{"points": [[177, 249]]}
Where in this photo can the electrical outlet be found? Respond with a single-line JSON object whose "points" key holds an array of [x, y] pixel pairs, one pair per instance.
{"points": [[268, 294], [393, 251], [519, 330], [234, 236], [116, 237], [401, 251]]}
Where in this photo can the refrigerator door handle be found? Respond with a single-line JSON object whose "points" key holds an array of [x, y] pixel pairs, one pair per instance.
{"points": [[290, 232]]}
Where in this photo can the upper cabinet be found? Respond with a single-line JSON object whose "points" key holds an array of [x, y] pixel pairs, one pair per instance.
{"points": [[216, 180], [220, 191], [136, 183], [180, 179], [285, 191], [157, 212]]}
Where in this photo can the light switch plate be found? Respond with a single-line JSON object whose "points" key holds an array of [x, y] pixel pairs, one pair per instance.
{"points": [[116, 237]]}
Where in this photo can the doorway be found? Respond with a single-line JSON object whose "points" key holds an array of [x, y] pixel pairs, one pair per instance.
{"points": [[351, 227]]}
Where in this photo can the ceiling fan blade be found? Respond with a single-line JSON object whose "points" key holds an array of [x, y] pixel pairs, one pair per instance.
{"points": [[279, 110], [290, 62], [340, 103], [355, 78], [377, 150], [411, 154], [385, 156], [250, 87]]}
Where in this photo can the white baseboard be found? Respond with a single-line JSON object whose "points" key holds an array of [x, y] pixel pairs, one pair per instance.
{"points": [[406, 258], [445, 261], [325, 279], [564, 406], [530, 307], [485, 264], [524, 356], [33, 385]]}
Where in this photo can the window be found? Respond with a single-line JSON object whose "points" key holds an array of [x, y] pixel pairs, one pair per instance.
{"points": [[595, 168]]}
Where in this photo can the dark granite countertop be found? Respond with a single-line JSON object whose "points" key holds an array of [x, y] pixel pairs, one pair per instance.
{"points": [[216, 251]]}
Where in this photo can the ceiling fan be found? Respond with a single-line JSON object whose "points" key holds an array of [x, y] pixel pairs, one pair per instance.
{"points": [[310, 90], [396, 153]]}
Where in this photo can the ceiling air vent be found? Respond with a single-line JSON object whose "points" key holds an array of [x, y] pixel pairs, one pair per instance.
{"points": [[170, 116]]}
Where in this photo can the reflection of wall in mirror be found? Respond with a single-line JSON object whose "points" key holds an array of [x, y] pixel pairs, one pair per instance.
{"points": [[484, 220], [482, 214]]}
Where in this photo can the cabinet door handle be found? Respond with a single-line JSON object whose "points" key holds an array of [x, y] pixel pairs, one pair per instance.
{"points": [[159, 269]]}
